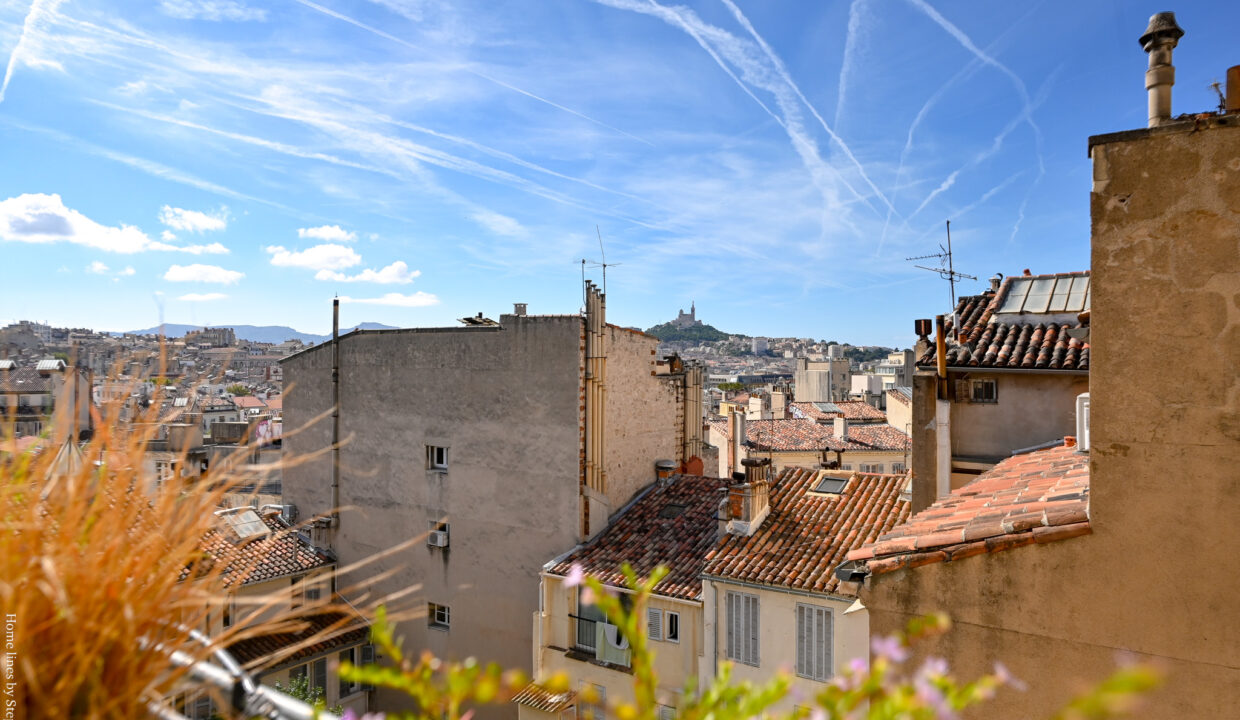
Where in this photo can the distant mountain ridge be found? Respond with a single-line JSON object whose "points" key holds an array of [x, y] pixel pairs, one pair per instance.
{"points": [[255, 333]]}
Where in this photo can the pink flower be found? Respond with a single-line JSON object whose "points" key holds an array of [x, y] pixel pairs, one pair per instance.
{"points": [[889, 647], [575, 576]]}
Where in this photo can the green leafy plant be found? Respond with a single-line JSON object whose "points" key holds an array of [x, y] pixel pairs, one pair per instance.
{"points": [[887, 686], [300, 688]]}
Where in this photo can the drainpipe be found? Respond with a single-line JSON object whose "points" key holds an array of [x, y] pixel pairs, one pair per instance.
{"points": [[335, 509], [942, 417]]}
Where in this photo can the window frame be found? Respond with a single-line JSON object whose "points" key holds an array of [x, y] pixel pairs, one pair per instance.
{"points": [[438, 617], [671, 619], [981, 399], [743, 616], [437, 458], [815, 663], [594, 710], [347, 687], [318, 672]]}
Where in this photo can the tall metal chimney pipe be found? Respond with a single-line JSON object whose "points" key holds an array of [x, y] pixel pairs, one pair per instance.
{"points": [[1160, 38]]}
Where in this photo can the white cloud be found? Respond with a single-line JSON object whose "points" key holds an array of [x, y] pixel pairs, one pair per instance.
{"points": [[97, 268], [330, 233], [192, 220], [168, 236], [398, 273], [417, 299], [127, 272], [498, 224], [202, 273], [319, 257], [214, 10], [202, 297], [39, 218], [210, 249]]}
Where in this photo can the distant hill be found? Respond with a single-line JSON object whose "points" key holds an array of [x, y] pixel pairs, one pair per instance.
{"points": [[701, 333], [256, 333]]}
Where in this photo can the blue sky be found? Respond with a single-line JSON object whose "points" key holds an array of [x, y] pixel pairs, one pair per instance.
{"points": [[229, 161]]}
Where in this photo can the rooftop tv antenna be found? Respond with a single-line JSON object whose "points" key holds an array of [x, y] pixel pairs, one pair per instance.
{"points": [[604, 264], [946, 271]]}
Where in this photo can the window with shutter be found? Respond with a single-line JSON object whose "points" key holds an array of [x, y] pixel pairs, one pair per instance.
{"points": [[742, 634], [671, 626], [592, 702], [319, 675], [667, 712], [654, 623], [368, 658], [814, 642]]}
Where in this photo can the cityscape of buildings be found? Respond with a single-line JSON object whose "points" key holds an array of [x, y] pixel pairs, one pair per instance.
{"points": [[1064, 496]]}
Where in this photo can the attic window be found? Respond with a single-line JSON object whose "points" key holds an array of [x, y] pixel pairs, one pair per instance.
{"points": [[671, 510], [831, 485]]}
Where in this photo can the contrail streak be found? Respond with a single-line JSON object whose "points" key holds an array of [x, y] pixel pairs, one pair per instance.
{"points": [[37, 9], [484, 76], [787, 78]]}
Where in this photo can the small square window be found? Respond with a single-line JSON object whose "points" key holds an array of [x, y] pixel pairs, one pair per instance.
{"points": [[436, 457], [985, 391], [438, 616], [671, 620]]}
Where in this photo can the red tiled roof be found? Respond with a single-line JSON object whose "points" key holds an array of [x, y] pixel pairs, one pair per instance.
{"points": [[1037, 497], [805, 435], [540, 698], [279, 554], [1015, 342], [248, 401], [26, 380], [672, 525], [331, 630], [807, 534], [849, 409]]}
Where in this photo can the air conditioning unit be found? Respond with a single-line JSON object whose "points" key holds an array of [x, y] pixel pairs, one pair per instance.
{"points": [[437, 538], [1082, 422]]}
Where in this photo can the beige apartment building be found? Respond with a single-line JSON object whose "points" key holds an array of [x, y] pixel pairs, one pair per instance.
{"points": [[489, 448], [672, 524], [1142, 560], [771, 602], [272, 572]]}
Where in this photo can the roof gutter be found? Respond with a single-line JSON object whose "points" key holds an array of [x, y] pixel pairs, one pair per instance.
{"points": [[1014, 371]]}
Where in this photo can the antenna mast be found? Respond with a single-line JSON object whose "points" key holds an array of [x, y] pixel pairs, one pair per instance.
{"points": [[947, 271], [604, 264]]}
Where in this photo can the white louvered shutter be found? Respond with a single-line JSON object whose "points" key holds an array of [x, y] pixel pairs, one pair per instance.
{"points": [[654, 623], [814, 642]]}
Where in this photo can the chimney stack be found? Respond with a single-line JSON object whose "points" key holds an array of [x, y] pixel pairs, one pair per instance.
{"points": [[663, 471], [1232, 103], [747, 504], [996, 281], [518, 309], [1160, 38], [841, 429]]}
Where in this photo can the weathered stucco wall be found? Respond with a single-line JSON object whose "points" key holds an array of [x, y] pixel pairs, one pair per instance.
{"points": [[1160, 574], [1031, 409], [642, 415], [505, 402]]}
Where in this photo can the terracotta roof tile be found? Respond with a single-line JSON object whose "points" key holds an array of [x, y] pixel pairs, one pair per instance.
{"points": [[807, 533], [672, 525], [1010, 341], [281, 553], [805, 435], [1037, 497], [338, 630], [849, 409]]}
